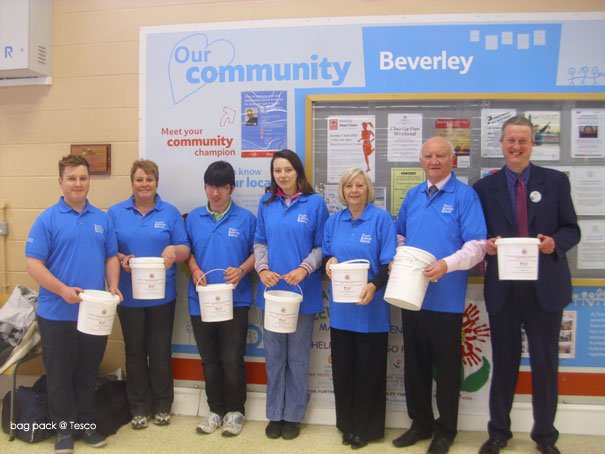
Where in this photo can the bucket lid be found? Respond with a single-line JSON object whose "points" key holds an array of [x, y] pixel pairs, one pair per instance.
{"points": [[146, 261], [213, 288], [357, 264], [283, 296], [518, 241], [407, 250], [99, 296]]}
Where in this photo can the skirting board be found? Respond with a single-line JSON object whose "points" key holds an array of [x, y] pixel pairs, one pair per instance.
{"points": [[571, 418]]}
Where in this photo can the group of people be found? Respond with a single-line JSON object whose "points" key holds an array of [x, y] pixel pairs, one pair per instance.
{"points": [[292, 242]]}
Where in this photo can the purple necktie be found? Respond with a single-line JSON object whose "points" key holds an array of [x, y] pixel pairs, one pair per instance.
{"points": [[522, 229]]}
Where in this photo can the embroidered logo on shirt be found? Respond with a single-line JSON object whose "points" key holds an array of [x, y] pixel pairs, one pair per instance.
{"points": [[233, 232], [447, 208], [30, 240], [159, 225], [365, 238], [99, 228], [303, 218]]}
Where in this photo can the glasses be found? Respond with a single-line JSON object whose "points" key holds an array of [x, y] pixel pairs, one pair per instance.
{"points": [[220, 189]]}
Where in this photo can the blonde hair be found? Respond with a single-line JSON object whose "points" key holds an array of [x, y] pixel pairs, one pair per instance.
{"points": [[349, 176], [147, 166]]}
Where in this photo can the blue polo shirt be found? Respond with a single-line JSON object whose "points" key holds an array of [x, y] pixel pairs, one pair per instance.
{"points": [[371, 237], [147, 236], [74, 247], [441, 225], [290, 233], [221, 244]]}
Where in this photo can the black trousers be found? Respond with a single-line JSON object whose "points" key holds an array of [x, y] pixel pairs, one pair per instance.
{"points": [[71, 360], [222, 346], [148, 343], [359, 370], [432, 341], [542, 329]]}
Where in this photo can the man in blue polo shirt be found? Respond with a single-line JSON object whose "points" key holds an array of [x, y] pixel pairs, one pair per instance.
{"points": [[71, 247], [444, 217], [222, 239]]}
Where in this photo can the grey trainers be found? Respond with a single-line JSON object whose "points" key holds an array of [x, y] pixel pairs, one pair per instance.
{"points": [[209, 424], [93, 438], [162, 419], [64, 444], [139, 422], [232, 424]]}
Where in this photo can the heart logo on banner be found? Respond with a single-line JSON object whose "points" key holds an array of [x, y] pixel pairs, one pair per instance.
{"points": [[196, 52]]}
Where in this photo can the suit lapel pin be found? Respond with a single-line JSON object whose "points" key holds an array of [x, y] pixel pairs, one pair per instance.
{"points": [[535, 196]]}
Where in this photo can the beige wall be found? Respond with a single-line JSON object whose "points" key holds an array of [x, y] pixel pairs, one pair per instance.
{"points": [[94, 95]]}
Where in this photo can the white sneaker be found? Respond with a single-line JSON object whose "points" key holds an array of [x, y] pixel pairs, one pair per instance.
{"points": [[232, 424], [209, 424]]}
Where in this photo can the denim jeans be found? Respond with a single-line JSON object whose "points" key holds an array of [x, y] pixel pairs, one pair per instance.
{"points": [[71, 360], [148, 342], [222, 346], [287, 364]]}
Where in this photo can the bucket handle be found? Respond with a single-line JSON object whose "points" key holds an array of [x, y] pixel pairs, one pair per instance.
{"points": [[208, 272], [348, 262], [299, 289]]}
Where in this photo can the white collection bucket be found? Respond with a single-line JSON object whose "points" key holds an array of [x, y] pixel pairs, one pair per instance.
{"points": [[216, 300], [407, 285], [281, 310], [148, 278], [96, 312], [518, 259], [348, 279]]}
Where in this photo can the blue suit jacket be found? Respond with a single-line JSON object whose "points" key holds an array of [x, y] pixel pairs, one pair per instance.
{"points": [[553, 215]]}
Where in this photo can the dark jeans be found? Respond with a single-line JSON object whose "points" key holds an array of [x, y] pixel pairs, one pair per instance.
{"points": [[359, 367], [71, 360], [147, 340], [222, 346]]}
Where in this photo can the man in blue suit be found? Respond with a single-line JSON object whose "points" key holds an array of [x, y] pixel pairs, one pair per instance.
{"points": [[526, 200]]}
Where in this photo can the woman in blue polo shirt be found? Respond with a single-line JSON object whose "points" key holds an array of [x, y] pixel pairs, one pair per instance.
{"points": [[359, 332], [146, 226], [221, 235], [287, 249]]}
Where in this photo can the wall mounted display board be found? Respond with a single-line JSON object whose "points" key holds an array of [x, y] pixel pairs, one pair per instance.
{"points": [[240, 91]]}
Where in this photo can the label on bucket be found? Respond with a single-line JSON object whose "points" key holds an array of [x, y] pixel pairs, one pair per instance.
{"points": [[96, 319], [281, 320], [216, 307], [148, 284], [347, 286], [518, 263]]}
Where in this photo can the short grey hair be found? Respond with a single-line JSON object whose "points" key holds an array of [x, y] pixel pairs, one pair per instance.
{"points": [[349, 176]]}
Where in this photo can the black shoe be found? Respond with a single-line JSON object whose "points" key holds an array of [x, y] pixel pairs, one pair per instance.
{"points": [[274, 429], [358, 442], [347, 438], [290, 430], [411, 437], [546, 448], [440, 445], [492, 446]]}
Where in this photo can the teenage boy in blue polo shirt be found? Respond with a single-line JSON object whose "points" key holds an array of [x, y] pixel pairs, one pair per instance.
{"points": [[71, 247], [222, 237]]}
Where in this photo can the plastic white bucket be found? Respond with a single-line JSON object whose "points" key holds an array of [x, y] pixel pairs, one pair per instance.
{"points": [[518, 259], [407, 285], [216, 301], [148, 278], [281, 310], [348, 279], [96, 312]]}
